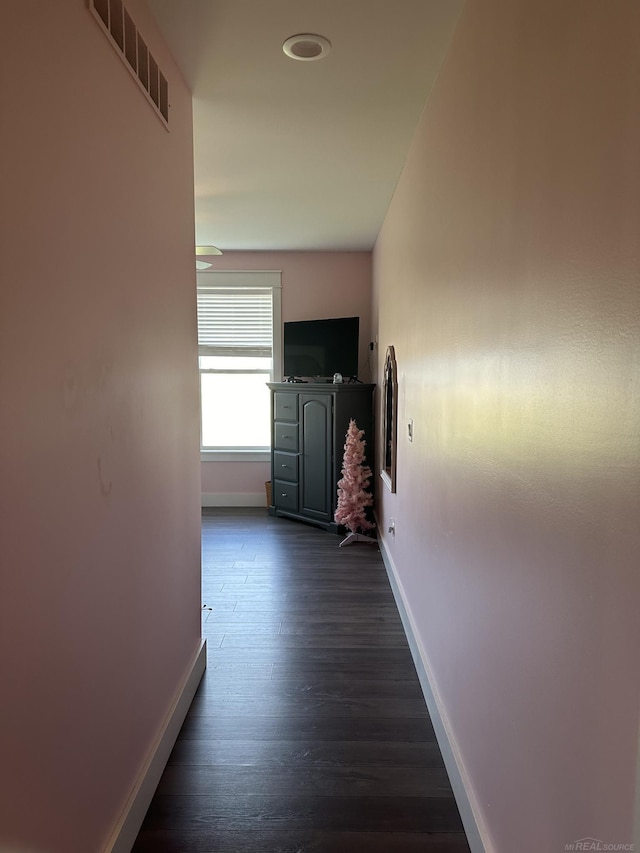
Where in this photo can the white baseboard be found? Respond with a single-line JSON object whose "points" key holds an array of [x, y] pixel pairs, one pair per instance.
{"points": [[474, 826], [240, 499], [128, 825]]}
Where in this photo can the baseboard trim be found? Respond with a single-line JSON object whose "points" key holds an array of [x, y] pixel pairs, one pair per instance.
{"points": [[240, 499], [474, 826], [128, 825]]}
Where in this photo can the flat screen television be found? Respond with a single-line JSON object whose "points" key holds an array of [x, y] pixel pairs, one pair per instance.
{"points": [[320, 348]]}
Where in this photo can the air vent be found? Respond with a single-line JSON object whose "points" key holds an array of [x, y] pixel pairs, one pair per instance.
{"points": [[119, 27]]}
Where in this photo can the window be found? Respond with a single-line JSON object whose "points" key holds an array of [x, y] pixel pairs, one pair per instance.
{"points": [[239, 352]]}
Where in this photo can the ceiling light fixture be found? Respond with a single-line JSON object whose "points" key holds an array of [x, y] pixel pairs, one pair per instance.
{"points": [[208, 250], [307, 47]]}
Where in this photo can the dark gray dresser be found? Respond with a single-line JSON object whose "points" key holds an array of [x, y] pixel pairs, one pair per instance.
{"points": [[308, 427]]}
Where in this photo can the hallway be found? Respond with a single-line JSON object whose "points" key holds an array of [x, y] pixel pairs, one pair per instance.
{"points": [[309, 732]]}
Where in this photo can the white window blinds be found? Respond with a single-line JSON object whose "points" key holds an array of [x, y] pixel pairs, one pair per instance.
{"points": [[235, 321]]}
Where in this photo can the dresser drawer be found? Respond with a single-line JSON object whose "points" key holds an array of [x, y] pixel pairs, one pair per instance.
{"points": [[285, 495], [285, 466], [285, 437], [285, 406]]}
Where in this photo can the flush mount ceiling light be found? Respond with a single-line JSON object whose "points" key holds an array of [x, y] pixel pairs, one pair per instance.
{"points": [[208, 250], [307, 47]]}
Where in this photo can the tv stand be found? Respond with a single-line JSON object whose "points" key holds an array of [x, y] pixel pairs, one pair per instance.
{"points": [[308, 431]]}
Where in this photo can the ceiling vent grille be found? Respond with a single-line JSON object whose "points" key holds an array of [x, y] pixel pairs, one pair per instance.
{"points": [[119, 27]]}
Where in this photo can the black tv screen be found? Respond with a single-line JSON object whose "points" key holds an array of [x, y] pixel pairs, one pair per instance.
{"points": [[320, 348]]}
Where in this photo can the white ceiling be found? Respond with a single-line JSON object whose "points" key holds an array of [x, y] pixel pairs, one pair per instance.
{"points": [[302, 155]]}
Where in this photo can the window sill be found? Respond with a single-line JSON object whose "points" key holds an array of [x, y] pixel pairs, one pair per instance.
{"points": [[235, 456]]}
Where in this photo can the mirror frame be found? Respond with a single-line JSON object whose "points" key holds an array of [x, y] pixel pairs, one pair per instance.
{"points": [[389, 420]]}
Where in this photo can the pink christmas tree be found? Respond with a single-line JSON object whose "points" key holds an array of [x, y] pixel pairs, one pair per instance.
{"points": [[353, 497]]}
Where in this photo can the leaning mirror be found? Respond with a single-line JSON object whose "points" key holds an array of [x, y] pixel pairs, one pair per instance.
{"points": [[390, 420]]}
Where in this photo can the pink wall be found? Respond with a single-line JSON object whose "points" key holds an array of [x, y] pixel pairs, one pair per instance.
{"points": [[99, 485], [235, 478], [506, 275], [314, 285]]}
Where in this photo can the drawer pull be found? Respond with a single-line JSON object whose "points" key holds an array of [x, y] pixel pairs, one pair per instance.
{"points": [[283, 494], [285, 436], [284, 466]]}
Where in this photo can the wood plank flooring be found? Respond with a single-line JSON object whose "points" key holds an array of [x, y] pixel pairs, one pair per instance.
{"points": [[309, 732]]}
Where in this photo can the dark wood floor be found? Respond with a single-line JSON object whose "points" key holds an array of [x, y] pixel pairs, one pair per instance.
{"points": [[309, 732]]}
